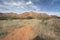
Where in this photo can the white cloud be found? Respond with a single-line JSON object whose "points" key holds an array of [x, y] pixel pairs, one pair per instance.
{"points": [[29, 2], [13, 3], [20, 6], [34, 6]]}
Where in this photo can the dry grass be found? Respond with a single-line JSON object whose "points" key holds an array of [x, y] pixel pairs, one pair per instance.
{"points": [[45, 29]]}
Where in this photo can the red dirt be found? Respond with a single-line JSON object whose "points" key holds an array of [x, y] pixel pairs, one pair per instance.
{"points": [[24, 33]]}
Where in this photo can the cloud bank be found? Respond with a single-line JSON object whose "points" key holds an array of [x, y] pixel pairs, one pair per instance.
{"points": [[19, 6]]}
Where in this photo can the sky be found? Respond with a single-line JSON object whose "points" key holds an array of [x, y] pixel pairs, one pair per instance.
{"points": [[51, 7]]}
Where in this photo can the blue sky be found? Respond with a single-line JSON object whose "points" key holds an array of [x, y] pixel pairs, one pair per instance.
{"points": [[46, 6]]}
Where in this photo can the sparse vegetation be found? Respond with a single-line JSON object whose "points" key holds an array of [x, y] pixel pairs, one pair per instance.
{"points": [[30, 17], [43, 27], [2, 34], [8, 18]]}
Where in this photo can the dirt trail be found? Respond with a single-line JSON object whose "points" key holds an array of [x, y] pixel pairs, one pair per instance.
{"points": [[24, 33]]}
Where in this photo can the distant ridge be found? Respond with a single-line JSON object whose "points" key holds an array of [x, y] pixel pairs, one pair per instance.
{"points": [[25, 15]]}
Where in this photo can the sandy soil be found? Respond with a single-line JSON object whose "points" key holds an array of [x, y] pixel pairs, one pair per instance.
{"points": [[24, 33]]}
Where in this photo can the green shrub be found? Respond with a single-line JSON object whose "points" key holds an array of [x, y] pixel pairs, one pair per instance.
{"points": [[8, 18], [29, 17], [2, 34]]}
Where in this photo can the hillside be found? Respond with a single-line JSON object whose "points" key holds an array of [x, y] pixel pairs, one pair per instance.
{"points": [[8, 15], [25, 15]]}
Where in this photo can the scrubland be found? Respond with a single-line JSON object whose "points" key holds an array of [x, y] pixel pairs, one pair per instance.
{"points": [[43, 29]]}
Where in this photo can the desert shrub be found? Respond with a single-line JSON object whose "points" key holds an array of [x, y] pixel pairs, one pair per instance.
{"points": [[8, 18], [44, 18], [29, 17], [2, 34], [57, 30], [3, 18], [54, 16], [1, 27], [38, 38], [3, 31]]}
